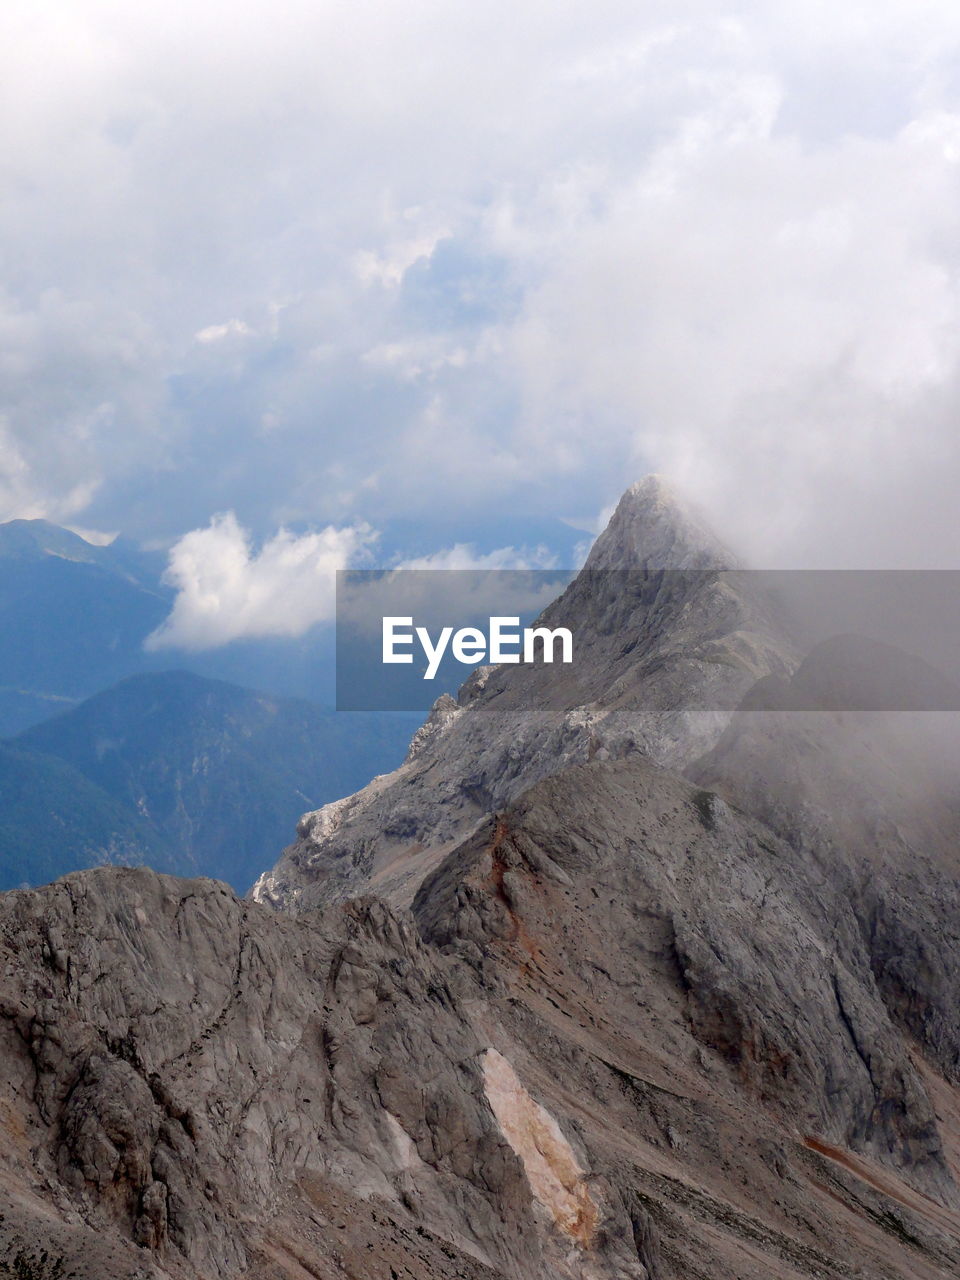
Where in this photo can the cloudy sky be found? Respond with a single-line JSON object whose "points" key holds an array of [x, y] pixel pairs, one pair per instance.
{"points": [[291, 284]]}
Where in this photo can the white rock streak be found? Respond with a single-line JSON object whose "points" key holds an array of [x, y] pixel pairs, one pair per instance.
{"points": [[552, 1169]]}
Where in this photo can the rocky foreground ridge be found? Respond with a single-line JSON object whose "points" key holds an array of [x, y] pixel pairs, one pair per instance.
{"points": [[638, 991]]}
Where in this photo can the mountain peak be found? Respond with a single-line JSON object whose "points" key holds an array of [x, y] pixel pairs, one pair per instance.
{"points": [[654, 528], [32, 539], [663, 659]]}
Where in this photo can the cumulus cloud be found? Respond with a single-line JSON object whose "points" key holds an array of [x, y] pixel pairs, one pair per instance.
{"points": [[229, 329], [26, 494], [226, 590], [389, 266], [790, 357], [96, 537], [463, 555], [493, 261]]}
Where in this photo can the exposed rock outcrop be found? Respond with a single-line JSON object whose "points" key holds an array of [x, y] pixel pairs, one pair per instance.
{"points": [[627, 1031], [668, 641], [615, 979]]}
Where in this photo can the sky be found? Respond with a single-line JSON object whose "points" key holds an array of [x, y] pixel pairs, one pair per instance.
{"points": [[293, 285]]}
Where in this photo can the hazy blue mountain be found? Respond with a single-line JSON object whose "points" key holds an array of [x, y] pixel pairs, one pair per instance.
{"points": [[74, 618], [184, 772], [54, 820], [219, 774], [20, 708]]}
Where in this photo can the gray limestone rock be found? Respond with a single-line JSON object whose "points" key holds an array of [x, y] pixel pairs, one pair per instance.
{"points": [[616, 978], [668, 641]]}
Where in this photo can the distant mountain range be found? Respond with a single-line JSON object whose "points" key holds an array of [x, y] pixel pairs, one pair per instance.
{"points": [[75, 618], [111, 758], [642, 970], [54, 820], [184, 774]]}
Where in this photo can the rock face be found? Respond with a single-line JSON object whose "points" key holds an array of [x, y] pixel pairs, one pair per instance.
{"points": [[625, 1031], [667, 645], [655, 989]]}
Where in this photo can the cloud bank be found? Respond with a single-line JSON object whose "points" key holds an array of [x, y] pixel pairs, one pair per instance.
{"points": [[227, 591], [473, 265]]}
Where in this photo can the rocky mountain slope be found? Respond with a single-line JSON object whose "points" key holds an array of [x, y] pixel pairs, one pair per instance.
{"points": [[666, 646], [658, 989]]}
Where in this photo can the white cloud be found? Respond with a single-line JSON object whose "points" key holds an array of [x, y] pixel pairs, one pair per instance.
{"points": [[229, 329], [96, 537], [777, 329], [227, 591], [463, 555], [389, 266], [418, 358], [523, 253], [23, 495]]}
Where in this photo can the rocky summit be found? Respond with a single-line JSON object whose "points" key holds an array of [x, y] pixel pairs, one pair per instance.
{"points": [[665, 637], [627, 973]]}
